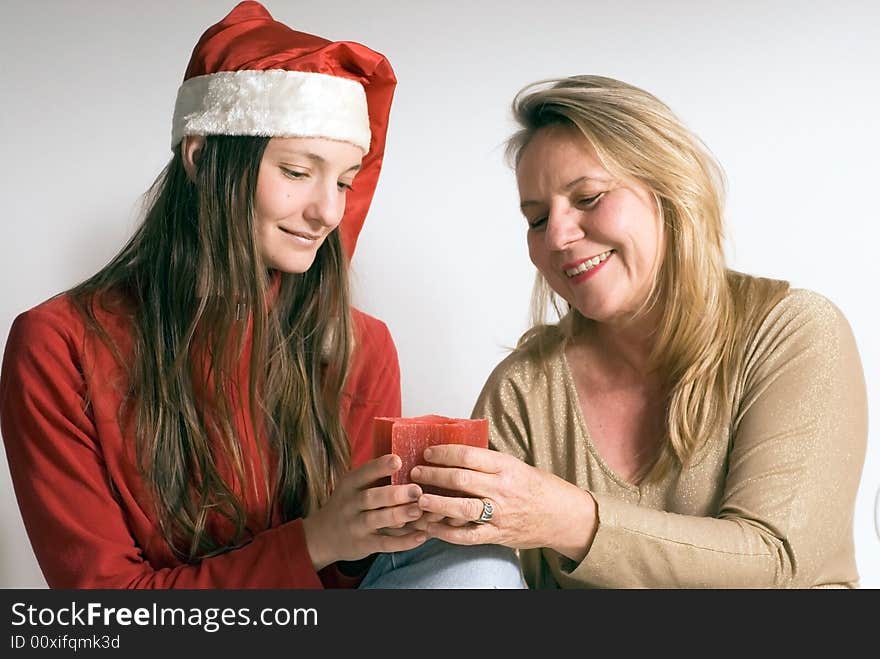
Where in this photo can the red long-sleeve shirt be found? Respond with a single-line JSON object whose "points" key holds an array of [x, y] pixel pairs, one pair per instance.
{"points": [[84, 504]]}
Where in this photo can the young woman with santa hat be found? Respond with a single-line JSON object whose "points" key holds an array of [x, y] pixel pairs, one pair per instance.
{"points": [[198, 414]]}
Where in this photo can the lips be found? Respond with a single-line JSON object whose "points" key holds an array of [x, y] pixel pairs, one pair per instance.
{"points": [[576, 268], [303, 235]]}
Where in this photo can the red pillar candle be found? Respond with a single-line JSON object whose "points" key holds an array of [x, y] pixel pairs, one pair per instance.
{"points": [[409, 437]]}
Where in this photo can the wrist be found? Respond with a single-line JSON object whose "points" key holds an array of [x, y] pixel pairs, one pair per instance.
{"points": [[315, 544], [578, 528]]}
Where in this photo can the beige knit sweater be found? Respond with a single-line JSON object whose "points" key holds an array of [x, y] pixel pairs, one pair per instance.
{"points": [[768, 502]]}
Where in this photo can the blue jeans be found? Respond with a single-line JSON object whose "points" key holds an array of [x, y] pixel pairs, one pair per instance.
{"points": [[438, 564]]}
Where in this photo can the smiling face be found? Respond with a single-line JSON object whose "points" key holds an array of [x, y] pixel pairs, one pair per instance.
{"points": [[596, 240], [300, 197]]}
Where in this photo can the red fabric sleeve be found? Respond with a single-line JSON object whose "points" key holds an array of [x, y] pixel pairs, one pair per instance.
{"points": [[78, 521]]}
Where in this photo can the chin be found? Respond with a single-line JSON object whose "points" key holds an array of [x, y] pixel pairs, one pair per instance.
{"points": [[596, 312], [292, 266]]}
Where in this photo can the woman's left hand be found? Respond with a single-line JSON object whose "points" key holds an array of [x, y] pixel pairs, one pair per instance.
{"points": [[530, 507]]}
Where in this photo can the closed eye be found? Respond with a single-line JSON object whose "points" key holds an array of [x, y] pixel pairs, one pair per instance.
{"points": [[294, 174], [589, 202], [583, 203]]}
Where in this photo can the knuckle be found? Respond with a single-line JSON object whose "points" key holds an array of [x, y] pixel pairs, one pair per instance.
{"points": [[506, 481], [461, 479], [397, 518], [364, 523], [365, 499], [473, 533]]}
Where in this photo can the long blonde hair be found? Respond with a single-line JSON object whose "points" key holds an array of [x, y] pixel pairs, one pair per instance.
{"points": [[636, 136]]}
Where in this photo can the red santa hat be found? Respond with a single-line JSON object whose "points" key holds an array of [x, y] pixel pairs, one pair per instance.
{"points": [[251, 75]]}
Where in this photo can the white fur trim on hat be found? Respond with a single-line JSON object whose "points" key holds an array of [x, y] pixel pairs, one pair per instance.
{"points": [[273, 103]]}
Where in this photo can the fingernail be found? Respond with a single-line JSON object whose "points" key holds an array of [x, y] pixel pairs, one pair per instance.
{"points": [[415, 493], [415, 472], [428, 453], [414, 512]]}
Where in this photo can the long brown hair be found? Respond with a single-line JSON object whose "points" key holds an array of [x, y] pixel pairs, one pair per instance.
{"points": [[702, 317], [201, 298]]}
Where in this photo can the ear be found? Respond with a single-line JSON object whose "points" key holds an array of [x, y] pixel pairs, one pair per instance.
{"points": [[191, 151]]}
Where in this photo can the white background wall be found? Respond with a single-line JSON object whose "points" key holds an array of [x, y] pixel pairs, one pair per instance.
{"points": [[784, 93]]}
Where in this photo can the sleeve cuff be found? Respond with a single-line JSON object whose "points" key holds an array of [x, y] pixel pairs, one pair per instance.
{"points": [[609, 544]]}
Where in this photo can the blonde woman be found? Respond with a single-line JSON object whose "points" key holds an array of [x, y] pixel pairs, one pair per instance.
{"points": [[682, 425]]}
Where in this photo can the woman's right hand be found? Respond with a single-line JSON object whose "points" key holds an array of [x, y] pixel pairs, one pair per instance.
{"points": [[352, 523]]}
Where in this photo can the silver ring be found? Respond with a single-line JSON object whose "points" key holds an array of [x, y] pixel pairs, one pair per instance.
{"points": [[486, 515]]}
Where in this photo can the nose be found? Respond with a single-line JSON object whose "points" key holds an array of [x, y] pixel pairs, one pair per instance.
{"points": [[564, 226], [326, 205]]}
